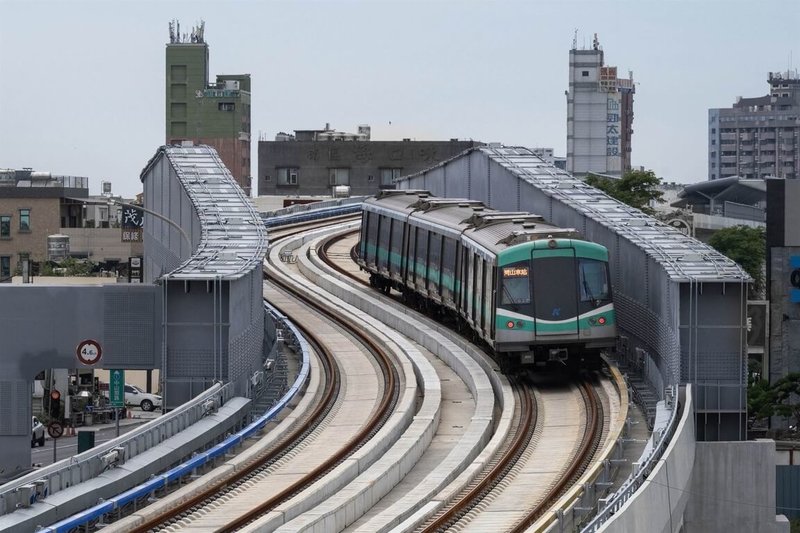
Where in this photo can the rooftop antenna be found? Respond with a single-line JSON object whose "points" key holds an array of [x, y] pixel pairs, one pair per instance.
{"points": [[595, 43], [575, 39]]}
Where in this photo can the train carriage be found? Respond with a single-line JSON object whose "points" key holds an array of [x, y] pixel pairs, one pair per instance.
{"points": [[535, 293]]}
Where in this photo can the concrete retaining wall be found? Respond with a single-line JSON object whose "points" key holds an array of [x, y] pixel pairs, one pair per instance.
{"points": [[733, 488]]}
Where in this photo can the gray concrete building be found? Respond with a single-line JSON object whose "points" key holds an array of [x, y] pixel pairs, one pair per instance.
{"points": [[758, 137], [312, 162], [599, 115]]}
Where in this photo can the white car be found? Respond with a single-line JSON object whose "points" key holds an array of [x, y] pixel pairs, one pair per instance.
{"points": [[37, 433], [136, 396]]}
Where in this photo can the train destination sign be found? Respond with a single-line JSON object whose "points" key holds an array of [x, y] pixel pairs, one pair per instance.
{"points": [[515, 272]]}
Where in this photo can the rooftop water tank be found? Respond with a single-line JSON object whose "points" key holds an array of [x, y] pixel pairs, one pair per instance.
{"points": [[57, 247]]}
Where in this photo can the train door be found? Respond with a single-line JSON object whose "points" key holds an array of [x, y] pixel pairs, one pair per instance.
{"points": [[555, 302]]}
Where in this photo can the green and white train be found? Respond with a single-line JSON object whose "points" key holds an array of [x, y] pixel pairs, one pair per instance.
{"points": [[533, 292]]}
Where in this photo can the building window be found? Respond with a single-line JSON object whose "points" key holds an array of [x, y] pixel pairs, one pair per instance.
{"points": [[713, 130], [24, 220], [267, 178], [226, 106], [287, 176], [339, 176], [389, 175], [585, 73], [713, 142], [5, 227], [5, 266]]}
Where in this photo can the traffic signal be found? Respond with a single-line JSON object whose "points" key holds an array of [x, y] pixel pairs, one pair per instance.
{"points": [[55, 404]]}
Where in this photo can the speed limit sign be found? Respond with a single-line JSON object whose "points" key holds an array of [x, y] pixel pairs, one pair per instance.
{"points": [[89, 352]]}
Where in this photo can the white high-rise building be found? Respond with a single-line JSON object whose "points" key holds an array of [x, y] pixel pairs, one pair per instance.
{"points": [[599, 115]]}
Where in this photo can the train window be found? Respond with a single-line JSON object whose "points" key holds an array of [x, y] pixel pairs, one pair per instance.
{"points": [[421, 256], [372, 238], [593, 282], [363, 244], [435, 259], [382, 252], [397, 241], [515, 286]]}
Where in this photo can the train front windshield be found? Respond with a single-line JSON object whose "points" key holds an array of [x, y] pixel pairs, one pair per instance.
{"points": [[593, 280], [515, 291]]}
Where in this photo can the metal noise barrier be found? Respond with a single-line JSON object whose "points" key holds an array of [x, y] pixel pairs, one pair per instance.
{"points": [[148, 488]]}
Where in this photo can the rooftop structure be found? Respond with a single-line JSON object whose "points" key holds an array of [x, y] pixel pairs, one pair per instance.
{"points": [[758, 137]]}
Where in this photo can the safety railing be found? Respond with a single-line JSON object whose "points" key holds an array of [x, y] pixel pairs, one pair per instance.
{"points": [[143, 492], [89, 464]]}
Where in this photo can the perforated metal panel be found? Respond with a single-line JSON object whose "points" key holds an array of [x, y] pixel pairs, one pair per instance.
{"points": [[15, 397], [130, 329]]}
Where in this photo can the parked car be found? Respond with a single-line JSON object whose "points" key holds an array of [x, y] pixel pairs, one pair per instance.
{"points": [[37, 433], [136, 396]]}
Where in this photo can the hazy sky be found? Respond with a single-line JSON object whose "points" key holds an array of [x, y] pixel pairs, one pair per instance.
{"points": [[82, 83]]}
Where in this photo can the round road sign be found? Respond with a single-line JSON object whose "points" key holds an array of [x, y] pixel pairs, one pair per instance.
{"points": [[55, 429], [89, 352]]}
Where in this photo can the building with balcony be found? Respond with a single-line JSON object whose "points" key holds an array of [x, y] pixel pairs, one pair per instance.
{"points": [[599, 115], [758, 137], [215, 114], [313, 162]]}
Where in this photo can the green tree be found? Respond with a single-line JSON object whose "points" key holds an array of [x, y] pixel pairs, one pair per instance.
{"points": [[786, 393], [637, 188], [746, 246]]}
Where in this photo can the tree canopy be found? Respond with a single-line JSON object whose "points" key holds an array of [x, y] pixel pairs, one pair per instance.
{"points": [[746, 246], [637, 188]]}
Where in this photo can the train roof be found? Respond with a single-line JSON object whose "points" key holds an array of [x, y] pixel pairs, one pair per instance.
{"points": [[497, 231], [488, 228]]}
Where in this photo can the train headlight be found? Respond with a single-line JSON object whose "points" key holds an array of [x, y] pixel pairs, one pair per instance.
{"points": [[601, 320], [510, 324]]}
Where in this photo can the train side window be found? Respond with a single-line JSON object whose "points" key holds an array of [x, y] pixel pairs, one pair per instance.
{"points": [[435, 259], [372, 230], [421, 266], [396, 243], [411, 261], [382, 252], [363, 244]]}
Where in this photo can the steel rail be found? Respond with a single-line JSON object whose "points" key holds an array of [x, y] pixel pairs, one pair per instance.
{"points": [[376, 421], [332, 384], [494, 474], [583, 457]]}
